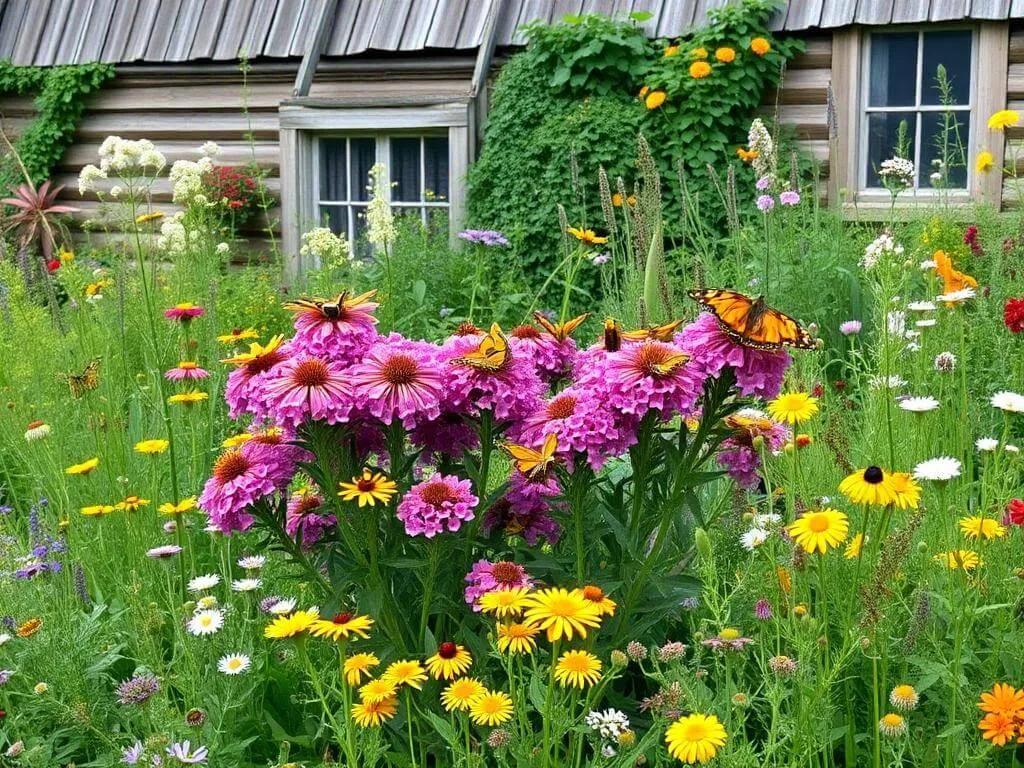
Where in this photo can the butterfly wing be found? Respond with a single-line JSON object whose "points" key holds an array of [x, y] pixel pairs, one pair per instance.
{"points": [[491, 355], [313, 304], [561, 331], [529, 461], [86, 381], [750, 322]]}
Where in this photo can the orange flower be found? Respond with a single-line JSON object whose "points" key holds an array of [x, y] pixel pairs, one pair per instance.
{"points": [[654, 99], [699, 53], [700, 70], [746, 155], [644, 91], [760, 46], [725, 55], [672, 50], [1003, 699], [998, 728], [785, 580], [952, 279]]}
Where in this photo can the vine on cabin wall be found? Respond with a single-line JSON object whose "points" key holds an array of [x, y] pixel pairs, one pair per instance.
{"points": [[61, 95]]}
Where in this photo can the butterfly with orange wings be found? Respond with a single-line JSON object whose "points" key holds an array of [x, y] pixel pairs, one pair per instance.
{"points": [[332, 309], [491, 355], [531, 462], [751, 322], [560, 331], [747, 426], [86, 381], [654, 333]]}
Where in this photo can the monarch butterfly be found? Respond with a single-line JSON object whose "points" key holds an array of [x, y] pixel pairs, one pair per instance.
{"points": [[332, 310], [612, 335], [86, 381], [491, 355], [561, 331], [654, 332], [751, 322], [530, 462], [747, 427]]}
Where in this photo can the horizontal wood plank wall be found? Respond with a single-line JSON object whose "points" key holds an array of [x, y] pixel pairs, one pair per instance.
{"points": [[1014, 100], [179, 107]]}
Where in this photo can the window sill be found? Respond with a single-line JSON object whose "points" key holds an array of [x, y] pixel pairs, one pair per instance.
{"points": [[868, 206]]}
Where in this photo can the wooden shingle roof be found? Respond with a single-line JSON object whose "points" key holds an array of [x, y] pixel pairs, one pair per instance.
{"points": [[48, 32]]}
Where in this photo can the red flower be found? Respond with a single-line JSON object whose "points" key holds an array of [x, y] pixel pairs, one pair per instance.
{"points": [[1015, 512], [971, 239], [53, 265], [818, 390], [1013, 315]]}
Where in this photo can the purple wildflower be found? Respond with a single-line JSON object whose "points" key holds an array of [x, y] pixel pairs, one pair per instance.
{"points": [[789, 197], [765, 203], [763, 610], [182, 752]]}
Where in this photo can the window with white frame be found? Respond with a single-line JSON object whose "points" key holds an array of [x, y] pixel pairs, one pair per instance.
{"points": [[900, 86], [417, 179]]}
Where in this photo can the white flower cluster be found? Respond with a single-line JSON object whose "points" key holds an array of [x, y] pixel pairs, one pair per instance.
{"points": [[172, 237], [223, 249], [210, 149], [332, 249], [761, 528], [610, 724], [88, 177], [881, 247], [897, 171], [123, 156], [380, 229], [187, 186], [760, 140]]}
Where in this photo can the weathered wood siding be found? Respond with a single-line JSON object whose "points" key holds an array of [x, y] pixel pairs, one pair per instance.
{"points": [[1014, 100]]}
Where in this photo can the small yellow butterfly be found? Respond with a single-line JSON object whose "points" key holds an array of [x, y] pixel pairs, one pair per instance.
{"points": [[655, 332], [86, 381], [560, 331], [491, 355], [330, 309], [531, 462]]}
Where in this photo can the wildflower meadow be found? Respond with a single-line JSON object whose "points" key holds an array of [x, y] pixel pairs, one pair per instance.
{"points": [[735, 484]]}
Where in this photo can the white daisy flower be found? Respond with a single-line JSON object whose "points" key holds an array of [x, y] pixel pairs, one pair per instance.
{"points": [[939, 469], [956, 297], [919, 404], [986, 443], [928, 264], [234, 663], [206, 622], [252, 562], [203, 583], [245, 585], [283, 607], [921, 306], [1010, 402], [754, 538], [766, 519], [1011, 448], [927, 323], [893, 382], [5, 639]]}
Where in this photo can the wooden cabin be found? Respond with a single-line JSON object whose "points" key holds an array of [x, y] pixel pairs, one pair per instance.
{"points": [[333, 86]]}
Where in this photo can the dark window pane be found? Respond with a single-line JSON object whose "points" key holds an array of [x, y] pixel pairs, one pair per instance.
{"points": [[883, 130], [335, 218], [953, 51], [944, 137], [364, 155], [893, 70], [435, 161], [360, 248], [405, 170], [332, 169]]}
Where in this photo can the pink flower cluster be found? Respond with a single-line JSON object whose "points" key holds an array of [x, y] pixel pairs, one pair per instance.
{"points": [[442, 503], [486, 576]]}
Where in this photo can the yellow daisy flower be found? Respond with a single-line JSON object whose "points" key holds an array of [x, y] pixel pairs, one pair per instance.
{"points": [[820, 530], [341, 626], [959, 559], [372, 715], [378, 690], [188, 398], [872, 486], [853, 549], [84, 468], [1004, 118], [406, 672], [132, 504], [491, 708], [505, 602], [578, 669], [517, 638], [978, 527], [357, 666], [233, 441], [459, 694], [984, 161], [183, 506], [595, 595], [368, 489], [588, 236], [98, 510], [284, 627], [151, 447], [238, 334], [562, 613], [449, 662], [907, 491], [695, 738], [793, 407]]}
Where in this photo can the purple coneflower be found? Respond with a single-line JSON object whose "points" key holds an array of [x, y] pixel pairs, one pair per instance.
{"points": [[441, 503], [304, 519], [305, 387], [763, 610], [850, 327], [184, 312], [343, 337], [186, 371], [652, 376], [399, 379], [486, 576]]}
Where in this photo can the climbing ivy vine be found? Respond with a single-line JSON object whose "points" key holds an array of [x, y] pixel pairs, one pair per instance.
{"points": [[61, 94]]}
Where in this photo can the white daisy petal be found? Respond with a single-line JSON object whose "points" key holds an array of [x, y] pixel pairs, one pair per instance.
{"points": [[939, 469], [234, 663], [203, 583], [206, 622], [919, 404], [1010, 402]]}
